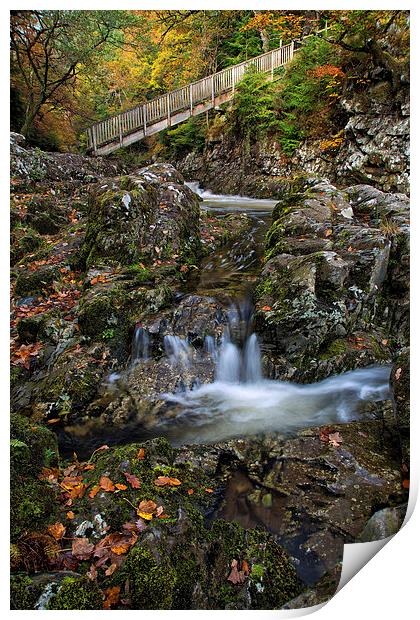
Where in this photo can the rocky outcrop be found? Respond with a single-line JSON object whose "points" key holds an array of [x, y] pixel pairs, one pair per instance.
{"points": [[333, 293], [149, 215], [372, 148], [31, 166]]}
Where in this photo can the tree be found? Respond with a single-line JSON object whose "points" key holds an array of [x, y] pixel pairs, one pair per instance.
{"points": [[49, 49]]}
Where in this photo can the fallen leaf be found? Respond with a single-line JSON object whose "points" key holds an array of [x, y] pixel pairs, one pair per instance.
{"points": [[266, 309], [324, 433], [92, 573], [70, 515], [209, 490], [398, 374], [236, 576], [140, 454], [82, 549], [406, 483], [111, 570], [94, 491], [245, 567], [328, 232], [163, 481], [106, 484], [133, 481], [183, 268], [112, 596], [335, 439], [145, 509], [159, 511], [57, 530], [190, 491], [121, 487]]}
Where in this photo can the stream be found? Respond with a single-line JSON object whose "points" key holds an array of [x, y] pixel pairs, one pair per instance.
{"points": [[239, 401]]}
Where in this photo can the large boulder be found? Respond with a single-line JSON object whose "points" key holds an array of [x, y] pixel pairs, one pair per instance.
{"points": [[333, 293], [147, 216]]}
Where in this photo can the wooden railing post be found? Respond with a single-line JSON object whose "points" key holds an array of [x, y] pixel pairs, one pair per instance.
{"points": [[120, 128], [191, 100], [272, 66], [212, 90], [168, 110]]}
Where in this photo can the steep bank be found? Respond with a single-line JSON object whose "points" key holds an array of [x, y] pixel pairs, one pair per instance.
{"points": [[370, 145]]}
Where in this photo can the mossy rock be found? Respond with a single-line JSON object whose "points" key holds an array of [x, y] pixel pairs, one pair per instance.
{"points": [[30, 328], [31, 282], [32, 500], [77, 593], [152, 580], [23, 593], [24, 242]]}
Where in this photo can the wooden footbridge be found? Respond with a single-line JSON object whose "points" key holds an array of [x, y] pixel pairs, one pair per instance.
{"points": [[176, 106]]}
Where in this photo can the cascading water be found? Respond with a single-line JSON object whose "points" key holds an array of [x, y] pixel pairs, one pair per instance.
{"points": [[240, 401], [140, 347]]}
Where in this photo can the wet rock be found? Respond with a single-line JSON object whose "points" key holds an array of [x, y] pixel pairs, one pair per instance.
{"points": [[400, 381], [321, 496], [29, 166], [317, 306], [383, 523]]}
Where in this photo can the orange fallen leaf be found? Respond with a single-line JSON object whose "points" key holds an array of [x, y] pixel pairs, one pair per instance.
{"points": [[146, 508], [328, 232], [57, 530], [209, 490], [70, 515], [163, 481], [106, 484], [190, 491], [335, 440], [121, 487], [406, 483], [266, 309], [94, 491], [132, 480], [112, 596], [140, 454], [245, 567]]}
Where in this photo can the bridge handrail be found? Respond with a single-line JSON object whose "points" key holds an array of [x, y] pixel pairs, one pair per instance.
{"points": [[115, 127], [151, 111]]}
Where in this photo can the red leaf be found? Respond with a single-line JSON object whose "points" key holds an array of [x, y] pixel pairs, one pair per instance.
{"points": [[132, 480]]}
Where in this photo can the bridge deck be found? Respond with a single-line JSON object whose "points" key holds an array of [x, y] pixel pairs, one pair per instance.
{"points": [[176, 106]]}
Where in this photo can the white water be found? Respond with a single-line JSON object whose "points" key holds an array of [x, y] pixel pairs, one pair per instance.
{"points": [[225, 409], [229, 202]]}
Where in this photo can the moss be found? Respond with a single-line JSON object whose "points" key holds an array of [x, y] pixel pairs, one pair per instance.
{"points": [[25, 243], [23, 593], [77, 593], [30, 328], [94, 315], [334, 348], [265, 288], [31, 500], [36, 281], [152, 580]]}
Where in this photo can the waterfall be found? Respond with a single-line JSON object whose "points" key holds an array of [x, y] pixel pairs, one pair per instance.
{"points": [[237, 356], [140, 347], [177, 350]]}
